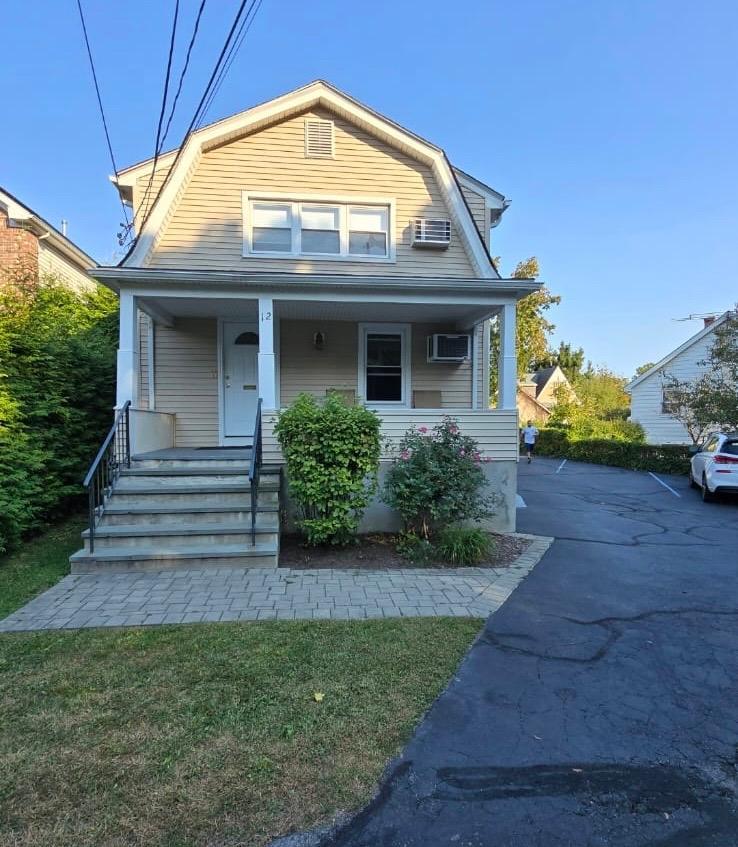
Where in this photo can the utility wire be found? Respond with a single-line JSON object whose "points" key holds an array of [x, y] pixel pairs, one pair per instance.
{"points": [[198, 110], [121, 236], [184, 71], [162, 111], [243, 32]]}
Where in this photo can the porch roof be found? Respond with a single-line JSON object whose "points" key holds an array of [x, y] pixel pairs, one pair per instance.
{"points": [[191, 280]]}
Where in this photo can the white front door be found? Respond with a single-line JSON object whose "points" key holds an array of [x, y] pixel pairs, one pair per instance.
{"points": [[240, 380]]}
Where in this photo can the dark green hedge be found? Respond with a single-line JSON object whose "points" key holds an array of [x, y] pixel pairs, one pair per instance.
{"points": [[661, 458], [57, 378]]}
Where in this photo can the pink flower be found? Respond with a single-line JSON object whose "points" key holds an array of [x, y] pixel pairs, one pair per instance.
{"points": [[462, 452], [453, 429], [423, 429], [405, 455], [477, 457]]}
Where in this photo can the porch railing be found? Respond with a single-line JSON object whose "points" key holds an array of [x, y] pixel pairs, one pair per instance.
{"points": [[114, 454], [255, 470]]}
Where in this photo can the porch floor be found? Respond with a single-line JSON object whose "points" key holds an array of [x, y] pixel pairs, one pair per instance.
{"points": [[192, 454]]}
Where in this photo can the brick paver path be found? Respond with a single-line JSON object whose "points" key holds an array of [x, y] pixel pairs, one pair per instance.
{"points": [[231, 594]]}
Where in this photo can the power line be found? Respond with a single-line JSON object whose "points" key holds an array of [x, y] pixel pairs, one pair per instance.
{"points": [[184, 70], [102, 115], [243, 32], [198, 110], [162, 111]]}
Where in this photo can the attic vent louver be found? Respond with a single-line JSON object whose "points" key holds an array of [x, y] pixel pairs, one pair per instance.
{"points": [[318, 139]]}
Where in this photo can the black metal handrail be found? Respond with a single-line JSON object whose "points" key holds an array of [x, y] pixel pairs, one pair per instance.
{"points": [[255, 471], [114, 454]]}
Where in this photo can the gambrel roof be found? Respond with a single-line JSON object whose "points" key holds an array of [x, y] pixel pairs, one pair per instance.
{"points": [[316, 94]]}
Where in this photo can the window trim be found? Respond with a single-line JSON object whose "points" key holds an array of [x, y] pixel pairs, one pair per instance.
{"points": [[405, 332], [343, 202]]}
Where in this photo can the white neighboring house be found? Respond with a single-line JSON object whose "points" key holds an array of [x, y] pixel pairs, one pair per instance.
{"points": [[649, 405]]}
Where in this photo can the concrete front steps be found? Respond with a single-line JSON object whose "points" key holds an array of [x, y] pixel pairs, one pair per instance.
{"points": [[166, 514]]}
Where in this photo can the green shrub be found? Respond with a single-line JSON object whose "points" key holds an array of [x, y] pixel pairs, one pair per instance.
{"points": [[332, 455], [658, 458], [413, 547], [57, 382], [458, 545], [437, 479]]}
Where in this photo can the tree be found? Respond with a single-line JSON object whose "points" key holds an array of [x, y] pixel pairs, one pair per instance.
{"points": [[711, 400], [533, 329], [569, 360], [641, 369]]}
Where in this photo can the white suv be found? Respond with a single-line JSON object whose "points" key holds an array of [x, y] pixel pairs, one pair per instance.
{"points": [[714, 466]]}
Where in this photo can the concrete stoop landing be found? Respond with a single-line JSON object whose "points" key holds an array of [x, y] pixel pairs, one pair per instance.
{"points": [[185, 509]]}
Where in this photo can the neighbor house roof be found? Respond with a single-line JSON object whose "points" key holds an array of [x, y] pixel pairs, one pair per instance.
{"points": [[318, 93], [542, 377], [24, 216], [705, 331]]}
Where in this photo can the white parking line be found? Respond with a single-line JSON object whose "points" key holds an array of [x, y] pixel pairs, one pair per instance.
{"points": [[561, 466], [661, 482]]}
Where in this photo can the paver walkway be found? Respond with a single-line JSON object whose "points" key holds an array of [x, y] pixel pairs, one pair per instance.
{"points": [[230, 594]]}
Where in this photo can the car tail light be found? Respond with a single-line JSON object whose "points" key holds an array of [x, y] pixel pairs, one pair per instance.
{"points": [[726, 460]]}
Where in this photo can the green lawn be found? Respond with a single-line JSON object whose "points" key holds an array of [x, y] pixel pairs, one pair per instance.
{"points": [[207, 734], [38, 564]]}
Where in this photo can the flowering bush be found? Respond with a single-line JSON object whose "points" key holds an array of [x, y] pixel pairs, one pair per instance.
{"points": [[437, 479]]}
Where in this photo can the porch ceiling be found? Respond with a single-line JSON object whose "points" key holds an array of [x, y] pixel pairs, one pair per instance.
{"points": [[457, 315]]}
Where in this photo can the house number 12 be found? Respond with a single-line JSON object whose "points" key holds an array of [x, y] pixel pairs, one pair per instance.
{"points": [[266, 316]]}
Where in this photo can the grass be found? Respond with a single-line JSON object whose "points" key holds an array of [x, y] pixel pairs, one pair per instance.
{"points": [[38, 564], [207, 734]]}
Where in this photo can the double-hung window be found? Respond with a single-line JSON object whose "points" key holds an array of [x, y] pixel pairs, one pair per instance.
{"points": [[353, 231]]}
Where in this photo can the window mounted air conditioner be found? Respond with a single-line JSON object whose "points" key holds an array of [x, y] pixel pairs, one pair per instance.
{"points": [[449, 348], [434, 234]]}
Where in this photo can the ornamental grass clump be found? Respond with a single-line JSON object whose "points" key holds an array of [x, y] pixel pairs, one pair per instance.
{"points": [[437, 480], [331, 450]]}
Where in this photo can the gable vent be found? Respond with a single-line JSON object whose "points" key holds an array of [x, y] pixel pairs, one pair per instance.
{"points": [[318, 139]]}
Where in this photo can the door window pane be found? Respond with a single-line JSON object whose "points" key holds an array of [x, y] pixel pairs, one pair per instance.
{"points": [[271, 228], [320, 229], [384, 367]]}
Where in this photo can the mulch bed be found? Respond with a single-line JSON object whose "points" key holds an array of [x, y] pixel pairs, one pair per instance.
{"points": [[373, 552]]}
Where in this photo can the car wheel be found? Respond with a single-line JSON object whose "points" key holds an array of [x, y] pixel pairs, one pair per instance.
{"points": [[707, 495], [692, 483]]}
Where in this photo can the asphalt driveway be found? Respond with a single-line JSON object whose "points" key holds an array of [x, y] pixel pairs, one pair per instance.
{"points": [[600, 706]]}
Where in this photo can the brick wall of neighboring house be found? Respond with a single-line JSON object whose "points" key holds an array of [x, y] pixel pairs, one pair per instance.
{"points": [[18, 249]]}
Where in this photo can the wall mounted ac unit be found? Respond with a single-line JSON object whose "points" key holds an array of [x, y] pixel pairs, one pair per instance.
{"points": [[431, 233], [444, 347]]}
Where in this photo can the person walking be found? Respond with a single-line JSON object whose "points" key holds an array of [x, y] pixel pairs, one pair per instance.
{"points": [[530, 435]]}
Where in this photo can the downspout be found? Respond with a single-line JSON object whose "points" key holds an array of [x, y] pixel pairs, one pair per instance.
{"points": [[150, 338], [475, 369]]}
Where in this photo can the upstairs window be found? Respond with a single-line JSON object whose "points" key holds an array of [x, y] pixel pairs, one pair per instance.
{"points": [[290, 228], [271, 228]]}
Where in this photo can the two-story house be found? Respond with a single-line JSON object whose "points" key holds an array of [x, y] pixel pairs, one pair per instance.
{"points": [[307, 244]]}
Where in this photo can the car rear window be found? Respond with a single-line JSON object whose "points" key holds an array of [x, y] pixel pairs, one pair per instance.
{"points": [[730, 447]]}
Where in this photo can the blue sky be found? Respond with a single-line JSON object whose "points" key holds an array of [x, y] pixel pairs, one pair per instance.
{"points": [[611, 125]]}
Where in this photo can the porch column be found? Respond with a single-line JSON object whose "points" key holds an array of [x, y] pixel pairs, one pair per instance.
{"points": [[267, 372], [127, 383], [508, 362]]}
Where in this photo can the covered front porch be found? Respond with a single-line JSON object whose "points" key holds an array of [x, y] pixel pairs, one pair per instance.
{"points": [[194, 366]]}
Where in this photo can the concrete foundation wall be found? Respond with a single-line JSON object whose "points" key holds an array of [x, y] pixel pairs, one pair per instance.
{"points": [[501, 482]]}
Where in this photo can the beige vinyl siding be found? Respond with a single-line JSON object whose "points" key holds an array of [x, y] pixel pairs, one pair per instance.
{"points": [[495, 431], [52, 263], [478, 207], [206, 228], [646, 398], [186, 374], [143, 198], [303, 368]]}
